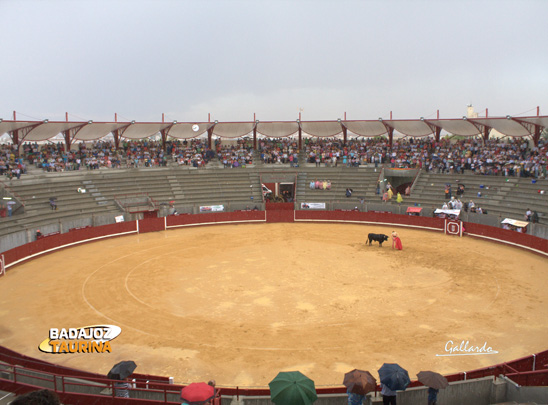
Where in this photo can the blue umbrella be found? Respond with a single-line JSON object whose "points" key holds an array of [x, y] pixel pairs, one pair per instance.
{"points": [[394, 377]]}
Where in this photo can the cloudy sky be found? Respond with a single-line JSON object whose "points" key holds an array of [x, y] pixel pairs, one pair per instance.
{"points": [[233, 58]]}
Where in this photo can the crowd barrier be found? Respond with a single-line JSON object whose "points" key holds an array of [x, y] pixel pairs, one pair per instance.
{"points": [[89, 234], [20, 374]]}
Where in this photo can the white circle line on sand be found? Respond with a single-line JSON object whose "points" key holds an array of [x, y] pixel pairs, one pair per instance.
{"points": [[95, 309]]}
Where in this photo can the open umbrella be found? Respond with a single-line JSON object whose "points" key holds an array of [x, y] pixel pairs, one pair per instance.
{"points": [[432, 379], [122, 370], [359, 381], [197, 393], [394, 377], [292, 388]]}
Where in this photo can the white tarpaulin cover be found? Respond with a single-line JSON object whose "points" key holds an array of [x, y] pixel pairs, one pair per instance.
{"points": [[313, 206], [447, 212], [515, 222]]}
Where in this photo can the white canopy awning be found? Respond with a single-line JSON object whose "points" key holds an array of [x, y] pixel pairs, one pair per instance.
{"points": [[233, 129], [410, 127], [189, 130], [277, 129], [365, 128], [322, 128], [458, 127], [83, 130], [504, 126]]}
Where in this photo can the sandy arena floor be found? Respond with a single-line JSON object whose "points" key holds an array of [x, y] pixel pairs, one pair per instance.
{"points": [[238, 303]]}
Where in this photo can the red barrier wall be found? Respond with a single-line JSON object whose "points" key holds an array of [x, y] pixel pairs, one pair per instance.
{"points": [[279, 216], [151, 225], [385, 218], [286, 206], [275, 216], [79, 235], [214, 218], [507, 235]]}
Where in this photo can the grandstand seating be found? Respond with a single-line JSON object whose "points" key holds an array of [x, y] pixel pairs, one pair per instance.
{"points": [[240, 188]]}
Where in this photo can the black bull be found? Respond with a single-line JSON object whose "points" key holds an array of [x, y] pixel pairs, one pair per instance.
{"points": [[377, 237]]}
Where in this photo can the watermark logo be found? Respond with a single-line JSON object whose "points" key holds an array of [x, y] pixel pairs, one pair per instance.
{"points": [[87, 339], [464, 348]]}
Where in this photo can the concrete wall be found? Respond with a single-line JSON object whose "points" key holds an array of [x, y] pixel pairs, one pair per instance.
{"points": [[516, 393], [332, 399], [482, 391], [474, 392]]}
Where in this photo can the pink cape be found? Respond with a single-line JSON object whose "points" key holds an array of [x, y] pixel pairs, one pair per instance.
{"points": [[396, 243]]}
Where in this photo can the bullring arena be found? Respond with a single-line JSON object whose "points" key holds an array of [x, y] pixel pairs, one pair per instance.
{"points": [[239, 303], [211, 270]]}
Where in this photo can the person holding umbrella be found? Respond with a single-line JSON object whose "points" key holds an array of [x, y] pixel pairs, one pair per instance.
{"points": [[393, 378], [432, 396], [434, 381], [121, 371], [197, 393], [292, 388], [388, 395], [358, 383]]}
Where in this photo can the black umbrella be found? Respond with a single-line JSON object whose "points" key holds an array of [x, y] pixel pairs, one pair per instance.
{"points": [[394, 377], [122, 370]]}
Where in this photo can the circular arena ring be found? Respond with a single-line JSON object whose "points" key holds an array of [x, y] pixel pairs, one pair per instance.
{"points": [[240, 302]]}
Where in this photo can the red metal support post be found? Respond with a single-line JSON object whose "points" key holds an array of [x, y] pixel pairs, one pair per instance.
{"points": [[209, 137], [485, 134], [116, 135], [163, 132], [68, 141], [536, 135]]}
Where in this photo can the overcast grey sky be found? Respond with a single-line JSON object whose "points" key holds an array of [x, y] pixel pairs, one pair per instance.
{"points": [[235, 58]]}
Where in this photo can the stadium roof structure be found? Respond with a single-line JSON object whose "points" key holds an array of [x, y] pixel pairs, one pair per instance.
{"points": [[31, 131]]}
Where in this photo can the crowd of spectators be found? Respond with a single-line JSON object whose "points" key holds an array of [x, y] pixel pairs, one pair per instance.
{"points": [[239, 155], [283, 150], [10, 164], [498, 156], [193, 152]]}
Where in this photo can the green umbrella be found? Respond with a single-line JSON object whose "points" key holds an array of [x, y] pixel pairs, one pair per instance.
{"points": [[292, 388]]}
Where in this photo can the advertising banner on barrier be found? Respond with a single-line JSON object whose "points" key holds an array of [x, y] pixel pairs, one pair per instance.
{"points": [[119, 218], [313, 206], [212, 208]]}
